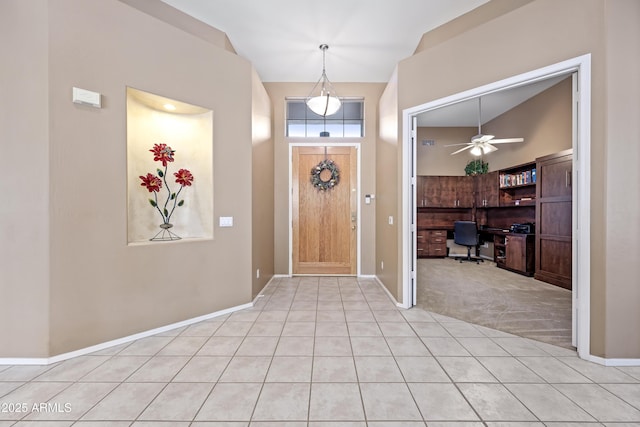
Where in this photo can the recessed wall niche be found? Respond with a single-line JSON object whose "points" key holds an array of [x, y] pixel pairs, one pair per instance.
{"points": [[169, 169]]}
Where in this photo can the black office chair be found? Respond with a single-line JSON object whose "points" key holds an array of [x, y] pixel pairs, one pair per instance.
{"points": [[466, 233]]}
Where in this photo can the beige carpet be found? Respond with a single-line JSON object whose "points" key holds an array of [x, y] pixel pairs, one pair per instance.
{"points": [[489, 296]]}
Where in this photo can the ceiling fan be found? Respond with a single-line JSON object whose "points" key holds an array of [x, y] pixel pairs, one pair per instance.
{"points": [[480, 143]]}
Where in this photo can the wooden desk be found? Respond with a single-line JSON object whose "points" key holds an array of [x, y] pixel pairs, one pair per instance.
{"points": [[514, 252], [432, 243]]}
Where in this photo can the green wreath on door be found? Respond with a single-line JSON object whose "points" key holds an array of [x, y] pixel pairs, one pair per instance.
{"points": [[316, 179]]}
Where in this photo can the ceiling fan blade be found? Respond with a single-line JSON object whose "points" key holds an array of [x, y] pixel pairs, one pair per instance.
{"points": [[462, 149], [506, 140], [455, 145], [480, 139]]}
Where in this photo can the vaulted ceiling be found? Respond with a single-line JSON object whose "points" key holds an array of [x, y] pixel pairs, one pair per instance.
{"points": [[366, 38]]}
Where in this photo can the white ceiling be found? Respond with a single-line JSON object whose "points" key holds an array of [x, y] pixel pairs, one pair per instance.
{"points": [[366, 38]]}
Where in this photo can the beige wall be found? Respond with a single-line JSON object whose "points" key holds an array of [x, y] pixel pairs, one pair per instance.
{"points": [[544, 121], [437, 159], [24, 221], [261, 187], [514, 43], [388, 199], [184, 22], [68, 278], [278, 92], [100, 288], [622, 194], [478, 16]]}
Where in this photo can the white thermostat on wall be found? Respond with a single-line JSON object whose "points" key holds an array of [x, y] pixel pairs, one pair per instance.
{"points": [[86, 97]]}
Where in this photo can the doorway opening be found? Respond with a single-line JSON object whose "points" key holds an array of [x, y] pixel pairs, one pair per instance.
{"points": [[580, 240]]}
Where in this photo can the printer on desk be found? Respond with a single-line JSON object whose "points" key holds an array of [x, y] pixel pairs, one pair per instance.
{"points": [[526, 228]]}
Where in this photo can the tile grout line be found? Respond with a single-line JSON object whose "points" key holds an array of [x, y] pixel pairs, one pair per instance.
{"points": [[492, 375], [406, 383], [266, 374], [355, 366], [313, 353], [344, 289], [475, 411], [171, 381], [226, 366]]}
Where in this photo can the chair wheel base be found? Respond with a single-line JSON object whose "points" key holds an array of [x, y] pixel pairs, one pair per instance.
{"points": [[476, 260]]}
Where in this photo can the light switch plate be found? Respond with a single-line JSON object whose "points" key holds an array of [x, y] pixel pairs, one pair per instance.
{"points": [[226, 221]]}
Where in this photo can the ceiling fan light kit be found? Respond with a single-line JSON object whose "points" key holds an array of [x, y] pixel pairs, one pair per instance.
{"points": [[326, 102], [479, 144]]}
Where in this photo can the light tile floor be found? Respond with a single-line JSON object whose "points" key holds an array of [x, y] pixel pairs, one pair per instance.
{"points": [[324, 352]]}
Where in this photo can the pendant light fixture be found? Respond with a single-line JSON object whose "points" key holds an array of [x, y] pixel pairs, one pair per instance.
{"points": [[325, 102], [476, 151]]}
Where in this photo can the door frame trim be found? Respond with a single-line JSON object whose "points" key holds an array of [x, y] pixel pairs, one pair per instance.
{"points": [[581, 233], [357, 146]]}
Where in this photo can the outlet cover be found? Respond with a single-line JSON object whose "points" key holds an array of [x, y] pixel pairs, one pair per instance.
{"points": [[226, 221]]}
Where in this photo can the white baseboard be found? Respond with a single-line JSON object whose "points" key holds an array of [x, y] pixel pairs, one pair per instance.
{"points": [[260, 294], [119, 341], [188, 322], [24, 361], [613, 362], [384, 288]]}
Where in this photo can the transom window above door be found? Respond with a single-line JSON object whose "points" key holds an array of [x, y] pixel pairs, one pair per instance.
{"points": [[347, 122]]}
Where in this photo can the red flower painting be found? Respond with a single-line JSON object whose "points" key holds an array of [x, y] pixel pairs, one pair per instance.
{"points": [[154, 183], [183, 177], [162, 153]]}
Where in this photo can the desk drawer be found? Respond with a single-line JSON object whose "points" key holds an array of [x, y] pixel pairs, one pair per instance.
{"points": [[422, 243], [432, 234], [437, 237], [437, 249], [431, 243]]}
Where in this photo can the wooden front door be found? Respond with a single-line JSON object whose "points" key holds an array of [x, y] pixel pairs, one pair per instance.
{"points": [[324, 221]]}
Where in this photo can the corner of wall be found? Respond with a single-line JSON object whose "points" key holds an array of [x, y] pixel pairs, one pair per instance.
{"points": [[262, 190], [474, 18], [387, 184], [181, 20]]}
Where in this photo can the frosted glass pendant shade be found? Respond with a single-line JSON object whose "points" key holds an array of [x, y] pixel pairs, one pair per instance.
{"points": [[324, 105], [476, 151]]}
